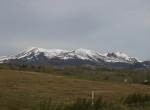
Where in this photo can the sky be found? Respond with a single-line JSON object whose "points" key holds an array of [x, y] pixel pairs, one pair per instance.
{"points": [[100, 25]]}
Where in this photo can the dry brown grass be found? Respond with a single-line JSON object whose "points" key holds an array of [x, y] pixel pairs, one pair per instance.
{"points": [[29, 88]]}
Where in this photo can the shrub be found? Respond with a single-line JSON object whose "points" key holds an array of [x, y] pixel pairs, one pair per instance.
{"points": [[86, 104], [137, 99], [79, 104]]}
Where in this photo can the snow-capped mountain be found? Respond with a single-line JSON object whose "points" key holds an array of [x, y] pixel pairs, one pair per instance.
{"points": [[80, 56]]}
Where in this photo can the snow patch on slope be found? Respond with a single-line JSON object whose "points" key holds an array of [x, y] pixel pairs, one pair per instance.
{"points": [[3, 58]]}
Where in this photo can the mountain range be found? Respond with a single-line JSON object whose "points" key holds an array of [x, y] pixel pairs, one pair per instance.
{"points": [[58, 57]]}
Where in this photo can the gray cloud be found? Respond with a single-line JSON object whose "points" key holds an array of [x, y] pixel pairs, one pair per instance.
{"points": [[103, 25]]}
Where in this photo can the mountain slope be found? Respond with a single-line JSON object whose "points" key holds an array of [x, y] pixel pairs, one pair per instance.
{"points": [[40, 56]]}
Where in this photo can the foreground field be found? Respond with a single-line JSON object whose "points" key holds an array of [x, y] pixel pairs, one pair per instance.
{"points": [[27, 89]]}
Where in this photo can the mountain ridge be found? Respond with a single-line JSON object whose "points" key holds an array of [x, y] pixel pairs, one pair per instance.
{"points": [[40, 56]]}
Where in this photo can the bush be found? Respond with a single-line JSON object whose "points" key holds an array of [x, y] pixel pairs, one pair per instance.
{"points": [[146, 82], [137, 99], [79, 104], [86, 104]]}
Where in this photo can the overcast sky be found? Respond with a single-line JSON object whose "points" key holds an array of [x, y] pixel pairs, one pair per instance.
{"points": [[101, 25]]}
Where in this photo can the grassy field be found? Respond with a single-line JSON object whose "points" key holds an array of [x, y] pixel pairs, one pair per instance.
{"points": [[24, 89]]}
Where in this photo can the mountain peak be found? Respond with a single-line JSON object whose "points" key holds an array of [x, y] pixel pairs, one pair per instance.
{"points": [[34, 49], [122, 56], [118, 54]]}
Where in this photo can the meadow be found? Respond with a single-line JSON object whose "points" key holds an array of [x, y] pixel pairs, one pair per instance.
{"points": [[28, 89]]}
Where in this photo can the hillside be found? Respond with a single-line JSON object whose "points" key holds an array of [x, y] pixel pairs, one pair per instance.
{"points": [[26, 89]]}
